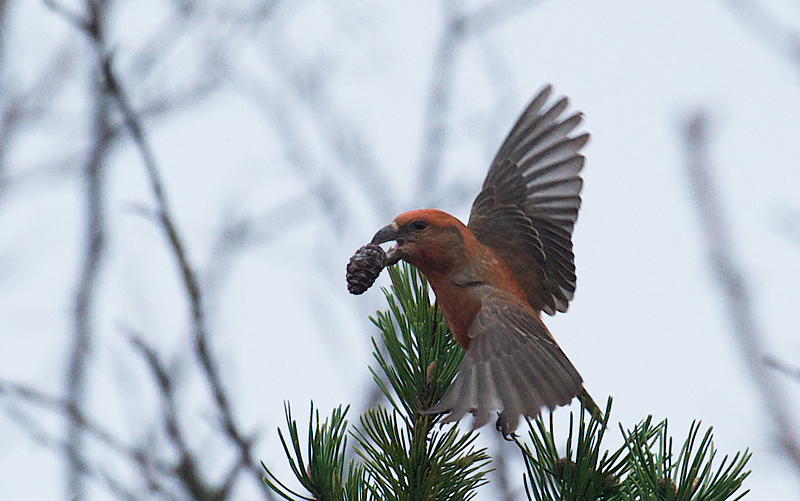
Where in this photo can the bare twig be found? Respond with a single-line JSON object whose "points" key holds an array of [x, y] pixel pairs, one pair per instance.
{"points": [[95, 244], [440, 91], [200, 330], [322, 185], [732, 282], [783, 367], [501, 474], [345, 141], [187, 469], [458, 28], [76, 20], [494, 14], [767, 28], [41, 436], [33, 396], [78, 358]]}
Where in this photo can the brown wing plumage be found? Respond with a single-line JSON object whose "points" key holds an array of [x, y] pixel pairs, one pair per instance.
{"points": [[529, 203], [512, 363]]}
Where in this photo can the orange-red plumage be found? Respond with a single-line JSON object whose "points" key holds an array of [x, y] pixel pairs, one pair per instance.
{"points": [[494, 276]]}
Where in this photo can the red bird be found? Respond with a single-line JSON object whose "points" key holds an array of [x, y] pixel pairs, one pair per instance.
{"points": [[494, 276]]}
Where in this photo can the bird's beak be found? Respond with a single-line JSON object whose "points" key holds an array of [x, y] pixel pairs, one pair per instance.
{"points": [[388, 233]]}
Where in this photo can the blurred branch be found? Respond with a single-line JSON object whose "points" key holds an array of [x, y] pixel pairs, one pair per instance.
{"points": [[501, 475], [136, 455], [731, 281], [782, 367], [200, 330], [440, 89], [767, 28], [46, 439], [240, 233], [24, 108], [322, 185], [80, 351], [76, 20], [187, 470], [458, 27], [495, 14], [345, 141]]}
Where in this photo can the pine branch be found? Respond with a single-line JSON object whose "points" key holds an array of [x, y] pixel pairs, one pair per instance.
{"points": [[323, 477], [404, 455], [643, 468]]}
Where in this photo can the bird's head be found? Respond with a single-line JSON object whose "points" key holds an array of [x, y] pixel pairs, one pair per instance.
{"points": [[429, 239]]}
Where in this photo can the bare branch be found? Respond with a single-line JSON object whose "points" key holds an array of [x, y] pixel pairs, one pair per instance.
{"points": [[501, 474], [732, 283], [84, 295], [440, 91], [344, 139], [493, 15], [187, 469], [149, 466], [200, 329], [322, 185], [458, 28], [784, 368], [76, 20], [767, 28]]}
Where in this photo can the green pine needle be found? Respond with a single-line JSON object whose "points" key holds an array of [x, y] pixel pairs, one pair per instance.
{"points": [[405, 455], [323, 476], [659, 475], [423, 357], [644, 468]]}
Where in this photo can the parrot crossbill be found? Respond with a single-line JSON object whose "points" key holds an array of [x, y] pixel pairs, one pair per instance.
{"points": [[494, 276]]}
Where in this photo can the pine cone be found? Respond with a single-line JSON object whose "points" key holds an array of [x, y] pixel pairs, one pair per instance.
{"points": [[364, 267]]}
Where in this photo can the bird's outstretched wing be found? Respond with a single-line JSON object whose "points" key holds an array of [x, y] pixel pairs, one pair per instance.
{"points": [[512, 363], [527, 208]]}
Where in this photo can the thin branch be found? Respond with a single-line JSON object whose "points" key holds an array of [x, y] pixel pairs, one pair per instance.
{"points": [[76, 20], [784, 368], [732, 283], [501, 474], [767, 28], [494, 15], [440, 92], [458, 28], [240, 233], [200, 330], [79, 353], [346, 142], [322, 185], [187, 470], [93, 429], [44, 438]]}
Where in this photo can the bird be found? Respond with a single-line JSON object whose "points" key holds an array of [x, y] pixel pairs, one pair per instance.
{"points": [[513, 260]]}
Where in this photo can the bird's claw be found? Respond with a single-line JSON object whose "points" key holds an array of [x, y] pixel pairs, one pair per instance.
{"points": [[500, 425]]}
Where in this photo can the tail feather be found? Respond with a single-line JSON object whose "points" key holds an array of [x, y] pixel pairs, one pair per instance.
{"points": [[512, 364], [466, 399]]}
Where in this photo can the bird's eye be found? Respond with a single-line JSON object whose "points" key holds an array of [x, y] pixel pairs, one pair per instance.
{"points": [[419, 225]]}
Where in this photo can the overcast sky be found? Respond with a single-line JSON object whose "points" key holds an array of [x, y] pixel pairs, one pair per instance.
{"points": [[648, 324]]}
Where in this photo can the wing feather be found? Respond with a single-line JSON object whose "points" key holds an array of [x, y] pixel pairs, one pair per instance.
{"points": [[530, 199], [511, 364]]}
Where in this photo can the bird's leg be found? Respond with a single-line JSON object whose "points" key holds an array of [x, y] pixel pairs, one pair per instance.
{"points": [[503, 426]]}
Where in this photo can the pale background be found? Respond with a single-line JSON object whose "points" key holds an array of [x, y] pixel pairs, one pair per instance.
{"points": [[287, 133]]}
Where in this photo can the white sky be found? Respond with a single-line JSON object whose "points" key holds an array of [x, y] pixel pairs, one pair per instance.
{"points": [[647, 325]]}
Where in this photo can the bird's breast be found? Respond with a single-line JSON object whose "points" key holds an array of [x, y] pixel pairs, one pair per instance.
{"points": [[459, 305]]}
